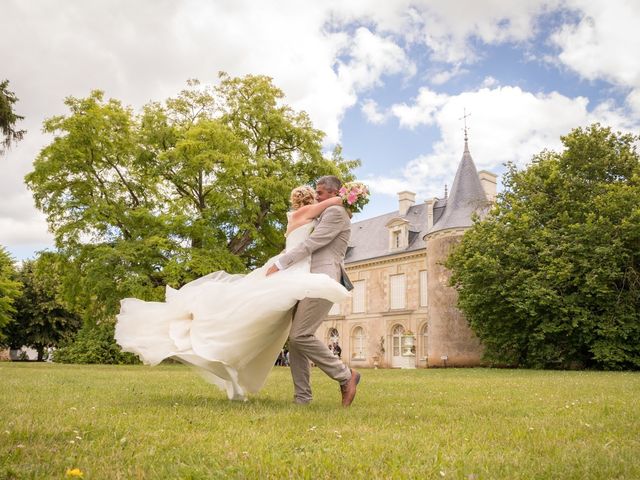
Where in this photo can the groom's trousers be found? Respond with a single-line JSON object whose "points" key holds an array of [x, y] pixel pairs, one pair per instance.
{"points": [[305, 347]]}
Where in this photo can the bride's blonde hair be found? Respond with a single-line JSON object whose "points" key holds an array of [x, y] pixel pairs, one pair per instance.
{"points": [[301, 196]]}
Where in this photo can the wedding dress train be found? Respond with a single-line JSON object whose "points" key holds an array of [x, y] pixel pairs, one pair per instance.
{"points": [[230, 327]]}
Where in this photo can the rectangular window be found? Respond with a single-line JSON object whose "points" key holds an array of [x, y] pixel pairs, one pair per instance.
{"points": [[335, 309], [359, 344], [358, 296], [423, 288], [398, 287]]}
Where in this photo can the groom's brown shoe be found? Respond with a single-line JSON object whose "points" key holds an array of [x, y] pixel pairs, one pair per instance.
{"points": [[349, 389]]}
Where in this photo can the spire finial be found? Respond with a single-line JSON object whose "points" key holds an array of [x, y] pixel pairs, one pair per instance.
{"points": [[464, 117]]}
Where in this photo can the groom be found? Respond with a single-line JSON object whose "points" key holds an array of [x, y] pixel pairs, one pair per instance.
{"points": [[327, 246]]}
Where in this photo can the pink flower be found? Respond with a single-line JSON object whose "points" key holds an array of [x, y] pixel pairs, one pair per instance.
{"points": [[351, 198]]}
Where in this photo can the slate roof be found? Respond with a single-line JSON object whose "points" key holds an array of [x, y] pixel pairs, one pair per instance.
{"points": [[370, 237], [466, 197]]}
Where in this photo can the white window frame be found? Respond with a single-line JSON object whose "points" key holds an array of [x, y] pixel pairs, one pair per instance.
{"points": [[398, 291], [396, 340], [397, 239], [424, 340], [424, 299], [359, 297], [358, 344]]}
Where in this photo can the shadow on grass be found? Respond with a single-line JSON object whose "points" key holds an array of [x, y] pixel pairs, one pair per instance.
{"points": [[256, 404], [211, 401]]}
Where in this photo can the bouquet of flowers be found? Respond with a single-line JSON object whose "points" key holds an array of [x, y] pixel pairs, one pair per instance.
{"points": [[354, 195]]}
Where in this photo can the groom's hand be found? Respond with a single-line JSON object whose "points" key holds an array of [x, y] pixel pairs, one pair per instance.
{"points": [[272, 269]]}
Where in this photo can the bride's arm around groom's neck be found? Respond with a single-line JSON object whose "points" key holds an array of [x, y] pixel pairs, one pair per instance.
{"points": [[332, 223], [309, 212]]}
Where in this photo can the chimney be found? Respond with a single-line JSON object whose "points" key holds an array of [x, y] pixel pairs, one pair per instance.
{"points": [[406, 200], [430, 203], [488, 182]]}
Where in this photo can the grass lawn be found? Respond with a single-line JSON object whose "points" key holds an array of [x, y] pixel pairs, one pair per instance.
{"points": [[126, 422]]}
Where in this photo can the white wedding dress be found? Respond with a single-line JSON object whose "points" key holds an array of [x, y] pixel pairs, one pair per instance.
{"points": [[230, 327]]}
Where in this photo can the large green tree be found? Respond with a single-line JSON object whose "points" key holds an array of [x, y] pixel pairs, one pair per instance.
{"points": [[40, 319], [8, 117], [9, 291], [551, 277], [188, 186], [101, 206]]}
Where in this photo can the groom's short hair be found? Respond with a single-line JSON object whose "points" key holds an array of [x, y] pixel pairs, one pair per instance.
{"points": [[331, 182]]}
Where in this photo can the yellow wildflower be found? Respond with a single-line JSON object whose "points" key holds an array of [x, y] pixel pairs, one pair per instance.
{"points": [[74, 472]]}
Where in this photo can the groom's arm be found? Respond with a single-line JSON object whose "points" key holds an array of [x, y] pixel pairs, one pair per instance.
{"points": [[330, 226]]}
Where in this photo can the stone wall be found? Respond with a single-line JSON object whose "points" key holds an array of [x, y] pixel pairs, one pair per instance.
{"points": [[449, 333], [379, 319]]}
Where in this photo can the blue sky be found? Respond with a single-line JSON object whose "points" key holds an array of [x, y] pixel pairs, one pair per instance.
{"points": [[386, 79], [529, 65]]}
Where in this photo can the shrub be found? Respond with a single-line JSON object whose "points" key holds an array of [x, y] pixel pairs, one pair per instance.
{"points": [[94, 344]]}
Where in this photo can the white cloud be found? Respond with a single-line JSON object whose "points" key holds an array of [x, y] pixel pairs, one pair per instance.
{"points": [[444, 76], [145, 50], [372, 114], [489, 81], [506, 124], [603, 44], [19, 230], [379, 185], [20, 222], [633, 100], [449, 28], [324, 55], [421, 112], [372, 56]]}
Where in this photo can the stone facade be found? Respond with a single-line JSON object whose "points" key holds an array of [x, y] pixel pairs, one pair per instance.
{"points": [[451, 341], [403, 313], [379, 320]]}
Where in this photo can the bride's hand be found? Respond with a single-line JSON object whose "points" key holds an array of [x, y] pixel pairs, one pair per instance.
{"points": [[272, 269]]}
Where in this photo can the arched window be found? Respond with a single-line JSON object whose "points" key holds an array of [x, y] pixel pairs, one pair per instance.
{"points": [[424, 340], [396, 340], [333, 342], [333, 337], [358, 344]]}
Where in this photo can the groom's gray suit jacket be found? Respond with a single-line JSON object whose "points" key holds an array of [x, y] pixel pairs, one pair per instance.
{"points": [[327, 246]]}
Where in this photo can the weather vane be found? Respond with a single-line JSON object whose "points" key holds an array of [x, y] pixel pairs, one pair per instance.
{"points": [[464, 117]]}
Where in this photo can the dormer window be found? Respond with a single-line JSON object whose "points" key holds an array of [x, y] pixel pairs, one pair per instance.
{"points": [[398, 234], [396, 238]]}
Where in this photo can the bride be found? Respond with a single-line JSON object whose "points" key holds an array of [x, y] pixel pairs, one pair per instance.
{"points": [[231, 327]]}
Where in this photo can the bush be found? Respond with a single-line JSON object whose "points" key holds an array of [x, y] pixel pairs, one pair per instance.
{"points": [[94, 344], [551, 277]]}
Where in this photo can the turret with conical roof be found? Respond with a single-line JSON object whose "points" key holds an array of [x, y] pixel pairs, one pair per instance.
{"points": [[466, 196], [451, 340]]}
